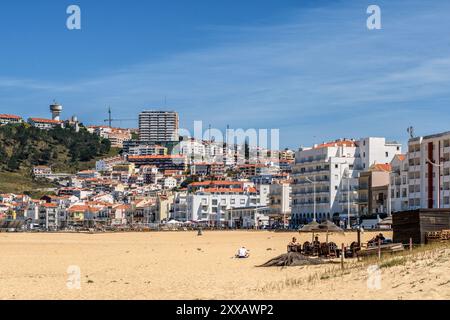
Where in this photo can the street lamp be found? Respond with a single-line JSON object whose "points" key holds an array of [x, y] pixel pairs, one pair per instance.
{"points": [[314, 188], [347, 175]]}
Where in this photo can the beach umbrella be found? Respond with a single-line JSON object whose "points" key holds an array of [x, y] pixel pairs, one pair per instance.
{"points": [[311, 227], [329, 227]]}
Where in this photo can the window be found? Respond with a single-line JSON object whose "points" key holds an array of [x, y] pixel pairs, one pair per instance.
{"points": [[232, 201], [387, 154], [336, 166], [214, 202], [242, 201]]}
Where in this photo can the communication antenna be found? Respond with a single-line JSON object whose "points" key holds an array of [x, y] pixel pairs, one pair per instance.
{"points": [[410, 131], [110, 116]]}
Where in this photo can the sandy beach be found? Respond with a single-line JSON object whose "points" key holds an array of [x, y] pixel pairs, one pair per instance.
{"points": [[182, 265]]}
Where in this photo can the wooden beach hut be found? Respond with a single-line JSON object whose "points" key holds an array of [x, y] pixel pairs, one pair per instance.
{"points": [[416, 223]]}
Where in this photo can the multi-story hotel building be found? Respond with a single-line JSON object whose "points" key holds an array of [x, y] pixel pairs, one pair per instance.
{"points": [[330, 171], [158, 126]]}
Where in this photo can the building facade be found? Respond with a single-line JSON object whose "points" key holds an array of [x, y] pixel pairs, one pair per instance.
{"points": [[325, 177], [398, 186], [158, 126], [429, 171]]}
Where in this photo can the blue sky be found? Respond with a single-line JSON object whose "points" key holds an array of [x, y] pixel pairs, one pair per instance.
{"points": [[309, 68]]}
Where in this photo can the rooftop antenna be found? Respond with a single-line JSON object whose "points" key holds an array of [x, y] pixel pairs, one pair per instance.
{"points": [[410, 130], [109, 116]]}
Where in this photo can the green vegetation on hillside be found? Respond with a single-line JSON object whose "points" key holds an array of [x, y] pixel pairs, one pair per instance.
{"points": [[64, 150], [22, 182]]}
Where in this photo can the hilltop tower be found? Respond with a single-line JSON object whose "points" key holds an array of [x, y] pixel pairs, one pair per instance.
{"points": [[56, 109]]}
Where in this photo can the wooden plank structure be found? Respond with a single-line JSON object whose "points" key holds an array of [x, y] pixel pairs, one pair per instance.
{"points": [[416, 224]]}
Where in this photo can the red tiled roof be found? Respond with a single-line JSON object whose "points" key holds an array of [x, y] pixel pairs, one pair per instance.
{"points": [[41, 120], [9, 116], [382, 167], [78, 208]]}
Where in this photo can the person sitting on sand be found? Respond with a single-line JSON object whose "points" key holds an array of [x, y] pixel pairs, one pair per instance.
{"points": [[242, 253], [381, 238], [293, 245], [294, 242], [316, 246], [316, 242]]}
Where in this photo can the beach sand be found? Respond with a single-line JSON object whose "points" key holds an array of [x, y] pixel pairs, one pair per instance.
{"points": [[182, 265]]}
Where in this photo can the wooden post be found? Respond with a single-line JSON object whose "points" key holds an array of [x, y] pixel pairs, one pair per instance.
{"points": [[410, 245], [379, 249], [359, 237], [342, 256]]}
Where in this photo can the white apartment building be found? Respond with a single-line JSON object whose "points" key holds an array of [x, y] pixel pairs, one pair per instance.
{"points": [[169, 183], [330, 171], [377, 150], [147, 150], [194, 150], [429, 171], [108, 163], [158, 126], [41, 171], [398, 186], [45, 124], [211, 205], [49, 216], [280, 201], [179, 207]]}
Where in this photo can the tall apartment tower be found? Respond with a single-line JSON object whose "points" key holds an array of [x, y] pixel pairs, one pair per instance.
{"points": [[158, 126]]}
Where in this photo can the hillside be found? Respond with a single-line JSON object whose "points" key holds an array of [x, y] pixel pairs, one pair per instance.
{"points": [[64, 150]]}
